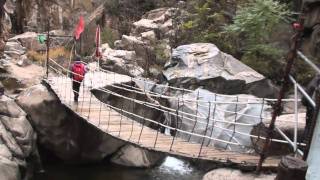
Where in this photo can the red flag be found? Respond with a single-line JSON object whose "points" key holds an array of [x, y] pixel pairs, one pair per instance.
{"points": [[79, 29], [98, 41]]}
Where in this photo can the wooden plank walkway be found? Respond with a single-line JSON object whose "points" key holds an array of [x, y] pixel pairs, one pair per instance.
{"points": [[122, 127]]}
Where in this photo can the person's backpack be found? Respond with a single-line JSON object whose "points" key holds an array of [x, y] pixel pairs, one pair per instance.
{"points": [[79, 71]]}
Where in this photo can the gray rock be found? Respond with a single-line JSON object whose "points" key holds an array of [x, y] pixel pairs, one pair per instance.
{"points": [[61, 131], [18, 140], [4, 30], [149, 36], [155, 14], [230, 174], [158, 20], [121, 61], [137, 157], [23, 61], [13, 54], [29, 40], [8, 170], [205, 65], [15, 46], [145, 25], [129, 43]]}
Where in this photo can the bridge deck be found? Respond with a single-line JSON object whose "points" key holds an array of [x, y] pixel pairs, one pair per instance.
{"points": [[122, 127]]}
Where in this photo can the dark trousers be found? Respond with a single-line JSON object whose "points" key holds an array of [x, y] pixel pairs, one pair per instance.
{"points": [[76, 89]]}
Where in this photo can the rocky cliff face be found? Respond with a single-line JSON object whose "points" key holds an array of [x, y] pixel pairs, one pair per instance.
{"points": [[34, 15], [311, 44], [5, 25], [17, 141]]}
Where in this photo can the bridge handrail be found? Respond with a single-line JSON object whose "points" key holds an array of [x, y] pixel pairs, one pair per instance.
{"points": [[181, 116], [225, 129], [189, 114], [188, 90], [68, 71], [309, 62], [154, 94], [210, 120], [174, 110]]}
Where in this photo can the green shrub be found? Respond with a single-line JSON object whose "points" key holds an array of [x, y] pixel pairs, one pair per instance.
{"points": [[257, 20], [162, 56], [253, 26], [109, 36]]}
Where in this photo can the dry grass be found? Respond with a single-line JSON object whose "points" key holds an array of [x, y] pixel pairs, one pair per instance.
{"points": [[55, 53]]}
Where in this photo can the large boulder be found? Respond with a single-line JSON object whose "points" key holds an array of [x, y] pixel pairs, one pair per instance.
{"points": [[121, 61], [5, 26], [204, 65], [226, 174], [136, 157], [158, 20], [312, 16], [311, 43], [14, 49], [8, 170], [28, 40], [18, 140], [61, 131], [18, 77]]}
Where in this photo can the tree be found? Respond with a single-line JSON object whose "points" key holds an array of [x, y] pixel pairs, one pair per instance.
{"points": [[253, 26]]}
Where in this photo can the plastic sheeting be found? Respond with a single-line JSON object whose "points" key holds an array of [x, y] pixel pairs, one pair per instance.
{"points": [[222, 114]]}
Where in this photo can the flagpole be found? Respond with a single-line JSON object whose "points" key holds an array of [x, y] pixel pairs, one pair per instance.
{"points": [[98, 42], [80, 39]]}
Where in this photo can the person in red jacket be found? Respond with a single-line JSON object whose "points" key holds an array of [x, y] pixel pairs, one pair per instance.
{"points": [[78, 70]]}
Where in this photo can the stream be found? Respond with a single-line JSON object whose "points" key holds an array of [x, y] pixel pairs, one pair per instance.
{"points": [[171, 169]]}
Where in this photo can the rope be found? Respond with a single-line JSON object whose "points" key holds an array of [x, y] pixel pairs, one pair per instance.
{"points": [[178, 113]]}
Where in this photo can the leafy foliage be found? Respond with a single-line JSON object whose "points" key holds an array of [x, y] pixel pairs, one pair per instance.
{"points": [[109, 36], [206, 21], [257, 21], [253, 26]]}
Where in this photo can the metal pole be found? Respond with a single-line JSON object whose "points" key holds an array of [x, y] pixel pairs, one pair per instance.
{"points": [[213, 118], [143, 124], [121, 116], [205, 132], [234, 125], [80, 49], [48, 49], [175, 130], [313, 151], [100, 109], [132, 121], [195, 123], [296, 118], [277, 108], [312, 125]]}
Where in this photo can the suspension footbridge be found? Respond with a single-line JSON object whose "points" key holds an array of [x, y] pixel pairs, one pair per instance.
{"points": [[123, 124]]}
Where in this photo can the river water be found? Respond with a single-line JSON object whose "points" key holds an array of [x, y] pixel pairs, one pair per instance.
{"points": [[171, 169]]}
